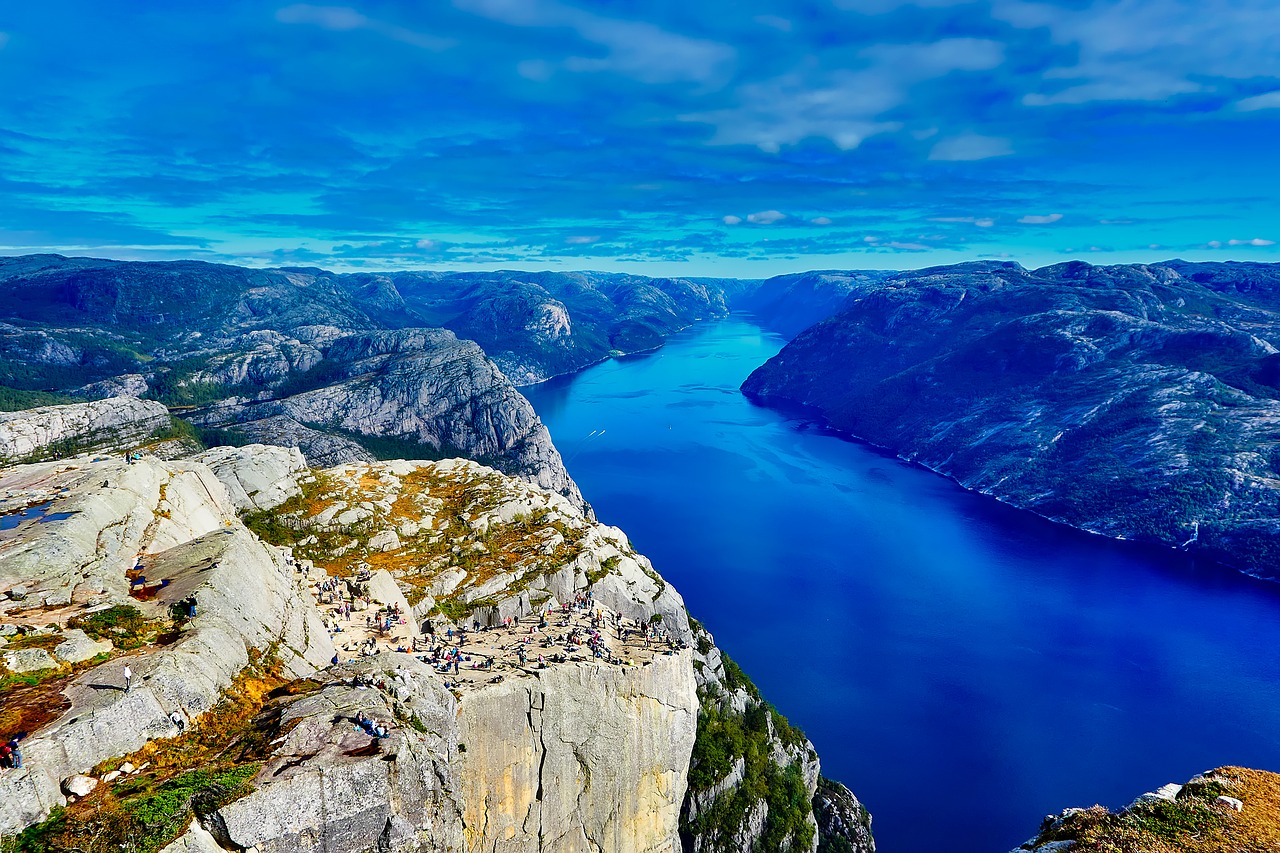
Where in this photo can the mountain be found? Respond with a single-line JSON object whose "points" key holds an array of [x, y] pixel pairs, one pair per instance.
{"points": [[1139, 402], [792, 303], [584, 710], [542, 324], [347, 367]]}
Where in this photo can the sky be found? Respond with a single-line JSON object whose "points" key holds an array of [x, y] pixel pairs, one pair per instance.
{"points": [[715, 137]]}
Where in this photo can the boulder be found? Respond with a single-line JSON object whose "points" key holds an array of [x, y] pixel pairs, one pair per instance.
{"points": [[29, 660], [257, 477], [1230, 802], [79, 785], [77, 646], [384, 540]]}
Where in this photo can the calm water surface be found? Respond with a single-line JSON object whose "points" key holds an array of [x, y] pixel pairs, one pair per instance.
{"points": [[964, 667]]}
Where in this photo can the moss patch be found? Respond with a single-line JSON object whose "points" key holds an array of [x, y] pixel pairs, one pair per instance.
{"points": [[1191, 823], [144, 812]]}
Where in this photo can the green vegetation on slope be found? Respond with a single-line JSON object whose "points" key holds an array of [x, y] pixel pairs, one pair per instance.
{"points": [[723, 738]]}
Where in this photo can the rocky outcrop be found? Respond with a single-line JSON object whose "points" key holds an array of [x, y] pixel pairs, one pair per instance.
{"points": [[329, 785], [257, 477], [178, 521], [539, 325], [844, 824], [127, 385], [414, 393], [1230, 808], [754, 780], [573, 722], [52, 431], [1138, 402]]}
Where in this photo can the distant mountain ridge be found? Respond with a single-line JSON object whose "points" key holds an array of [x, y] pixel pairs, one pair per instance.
{"points": [[275, 355], [1136, 401]]}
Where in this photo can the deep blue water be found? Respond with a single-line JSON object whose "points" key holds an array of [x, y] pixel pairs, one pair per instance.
{"points": [[966, 668]]}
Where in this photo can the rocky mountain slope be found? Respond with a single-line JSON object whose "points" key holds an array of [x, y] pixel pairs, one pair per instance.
{"points": [[539, 325], [51, 431], [510, 674], [293, 357], [347, 367], [1227, 809], [1140, 402], [792, 303]]}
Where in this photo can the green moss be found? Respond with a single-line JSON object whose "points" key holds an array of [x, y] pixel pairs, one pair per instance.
{"points": [[177, 429], [11, 680], [722, 739], [124, 625]]}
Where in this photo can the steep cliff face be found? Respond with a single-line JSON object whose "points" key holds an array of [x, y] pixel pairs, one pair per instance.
{"points": [[51, 431], [567, 721], [582, 758], [754, 780], [539, 325], [1139, 402], [410, 392]]}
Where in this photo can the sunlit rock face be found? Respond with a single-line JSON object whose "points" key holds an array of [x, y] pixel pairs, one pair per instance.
{"points": [[1139, 402]]}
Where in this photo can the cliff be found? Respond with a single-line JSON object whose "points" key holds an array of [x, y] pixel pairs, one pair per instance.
{"points": [[792, 303], [536, 325], [570, 720], [1138, 402], [411, 392], [1227, 809], [50, 431], [346, 367]]}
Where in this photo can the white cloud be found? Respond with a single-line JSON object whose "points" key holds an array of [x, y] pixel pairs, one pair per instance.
{"points": [[766, 217], [970, 146], [582, 239], [427, 245], [635, 48], [1256, 242], [732, 220], [846, 105], [346, 19], [980, 221], [820, 220], [1147, 50], [1269, 101], [1047, 219]]}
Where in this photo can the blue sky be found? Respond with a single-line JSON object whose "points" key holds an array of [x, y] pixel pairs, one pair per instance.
{"points": [[718, 137]]}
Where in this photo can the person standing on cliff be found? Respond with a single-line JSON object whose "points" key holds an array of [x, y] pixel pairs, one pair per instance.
{"points": [[128, 678]]}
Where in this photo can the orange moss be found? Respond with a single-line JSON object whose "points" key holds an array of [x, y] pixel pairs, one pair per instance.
{"points": [[1193, 823]]}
